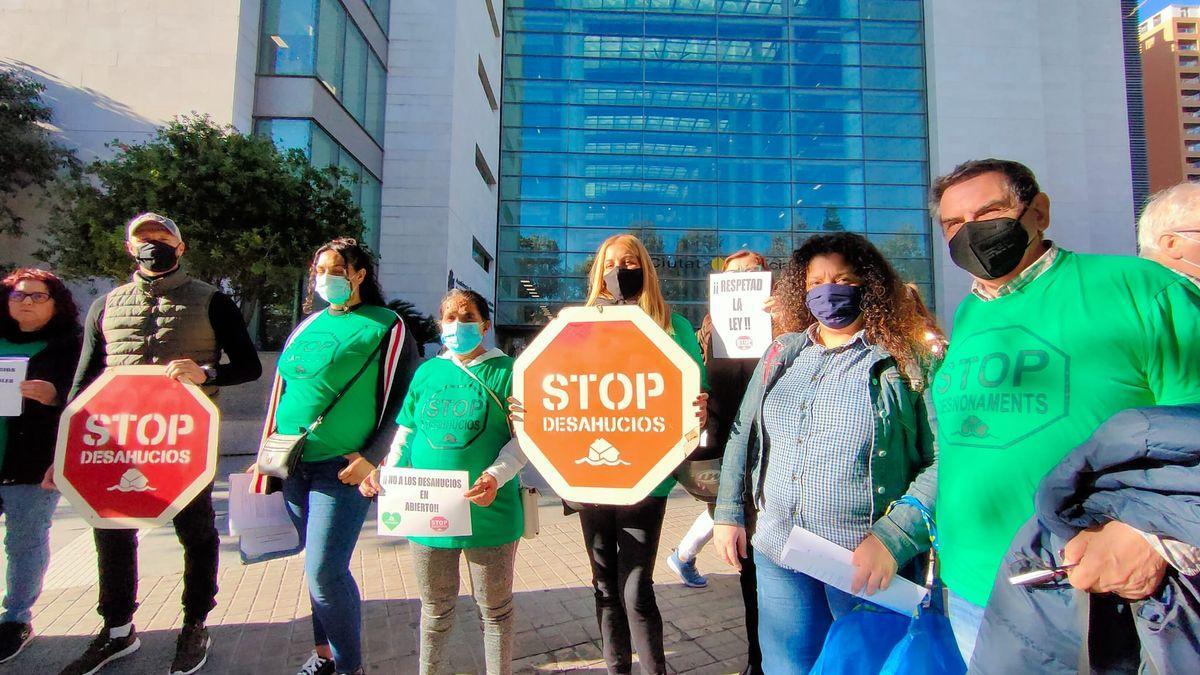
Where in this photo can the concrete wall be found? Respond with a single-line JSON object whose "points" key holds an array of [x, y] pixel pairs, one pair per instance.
{"points": [[434, 200], [1043, 84], [116, 69]]}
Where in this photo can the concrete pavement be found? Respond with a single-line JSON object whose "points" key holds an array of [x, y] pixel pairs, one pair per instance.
{"points": [[262, 621]]}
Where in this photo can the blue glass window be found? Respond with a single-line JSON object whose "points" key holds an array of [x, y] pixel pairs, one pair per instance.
{"points": [[705, 126], [317, 38], [321, 150]]}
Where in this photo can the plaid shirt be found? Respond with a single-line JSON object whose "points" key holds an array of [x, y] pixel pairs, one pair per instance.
{"points": [[1026, 277], [818, 426]]}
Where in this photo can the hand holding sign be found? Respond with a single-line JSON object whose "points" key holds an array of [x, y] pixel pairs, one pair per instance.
{"points": [[483, 492], [39, 390]]}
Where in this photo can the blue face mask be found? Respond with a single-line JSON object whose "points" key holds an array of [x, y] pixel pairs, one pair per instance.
{"points": [[334, 289], [462, 338], [835, 305]]}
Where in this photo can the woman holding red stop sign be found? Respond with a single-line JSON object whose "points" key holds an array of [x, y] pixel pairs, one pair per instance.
{"points": [[622, 541]]}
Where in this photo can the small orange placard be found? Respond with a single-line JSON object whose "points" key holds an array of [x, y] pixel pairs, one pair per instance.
{"points": [[608, 404]]}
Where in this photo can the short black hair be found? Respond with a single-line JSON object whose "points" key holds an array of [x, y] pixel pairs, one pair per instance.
{"points": [[1020, 179]]}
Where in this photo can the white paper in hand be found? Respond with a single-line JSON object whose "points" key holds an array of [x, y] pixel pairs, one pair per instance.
{"points": [[825, 561], [12, 374], [423, 503]]}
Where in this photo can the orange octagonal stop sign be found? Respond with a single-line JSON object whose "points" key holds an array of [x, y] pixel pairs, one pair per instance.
{"points": [[136, 447], [608, 399]]}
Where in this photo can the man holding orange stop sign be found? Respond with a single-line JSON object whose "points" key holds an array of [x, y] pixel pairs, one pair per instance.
{"points": [[133, 451], [607, 402]]}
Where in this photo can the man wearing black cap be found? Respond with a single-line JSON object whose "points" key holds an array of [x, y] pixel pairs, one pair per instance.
{"points": [[162, 317]]}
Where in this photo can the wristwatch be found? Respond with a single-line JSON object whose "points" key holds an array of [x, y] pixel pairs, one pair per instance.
{"points": [[210, 373]]}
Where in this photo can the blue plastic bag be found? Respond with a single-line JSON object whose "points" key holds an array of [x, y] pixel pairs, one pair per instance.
{"points": [[860, 642], [871, 640], [928, 647]]}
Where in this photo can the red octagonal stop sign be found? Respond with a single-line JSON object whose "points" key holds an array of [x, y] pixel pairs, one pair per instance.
{"points": [[608, 400], [136, 447]]}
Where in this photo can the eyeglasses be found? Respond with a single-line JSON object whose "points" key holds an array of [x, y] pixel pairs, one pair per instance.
{"points": [[38, 297]]}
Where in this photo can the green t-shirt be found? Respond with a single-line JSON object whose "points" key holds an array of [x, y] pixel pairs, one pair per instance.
{"points": [[457, 426], [684, 336], [1030, 375], [25, 349], [316, 363]]}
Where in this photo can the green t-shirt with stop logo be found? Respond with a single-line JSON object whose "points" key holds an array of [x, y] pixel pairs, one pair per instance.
{"points": [[319, 359], [456, 426], [1030, 375]]}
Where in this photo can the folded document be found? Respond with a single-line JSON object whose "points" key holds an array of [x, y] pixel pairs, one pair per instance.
{"points": [[825, 561]]}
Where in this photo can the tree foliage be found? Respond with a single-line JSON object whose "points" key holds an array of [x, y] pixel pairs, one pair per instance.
{"points": [[251, 217], [29, 157], [423, 326]]}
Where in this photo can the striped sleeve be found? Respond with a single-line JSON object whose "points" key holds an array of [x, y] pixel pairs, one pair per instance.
{"points": [[399, 360]]}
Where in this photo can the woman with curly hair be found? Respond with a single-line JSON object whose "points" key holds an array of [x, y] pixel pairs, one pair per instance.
{"points": [[835, 426], [40, 322]]}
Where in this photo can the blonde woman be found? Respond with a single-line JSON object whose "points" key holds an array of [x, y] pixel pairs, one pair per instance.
{"points": [[622, 541]]}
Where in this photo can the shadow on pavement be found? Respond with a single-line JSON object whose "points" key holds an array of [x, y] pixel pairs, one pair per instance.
{"points": [[556, 632]]}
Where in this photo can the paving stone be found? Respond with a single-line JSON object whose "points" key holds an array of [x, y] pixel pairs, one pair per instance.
{"points": [[262, 623]]}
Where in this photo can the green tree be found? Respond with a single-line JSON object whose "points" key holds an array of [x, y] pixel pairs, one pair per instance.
{"points": [[833, 221], [29, 157], [251, 217], [423, 326]]}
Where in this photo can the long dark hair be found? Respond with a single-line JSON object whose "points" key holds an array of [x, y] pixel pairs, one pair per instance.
{"points": [[356, 258], [65, 321], [892, 319]]}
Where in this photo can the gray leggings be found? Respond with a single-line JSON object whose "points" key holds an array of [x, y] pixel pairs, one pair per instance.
{"points": [[491, 571]]}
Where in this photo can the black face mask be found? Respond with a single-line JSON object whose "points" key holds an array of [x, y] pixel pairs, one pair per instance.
{"points": [[624, 284], [990, 249], [156, 256]]}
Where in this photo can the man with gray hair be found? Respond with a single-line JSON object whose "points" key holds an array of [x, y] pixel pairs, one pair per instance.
{"points": [[1169, 230]]}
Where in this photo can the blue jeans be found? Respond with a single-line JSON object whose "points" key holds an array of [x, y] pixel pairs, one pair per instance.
{"points": [[28, 510], [329, 514], [965, 620], [794, 615]]}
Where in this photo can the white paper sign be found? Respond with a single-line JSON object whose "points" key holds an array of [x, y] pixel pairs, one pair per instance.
{"points": [[825, 561], [12, 374], [741, 328], [260, 522], [423, 503]]}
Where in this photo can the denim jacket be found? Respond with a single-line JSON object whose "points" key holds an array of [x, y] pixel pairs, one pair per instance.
{"points": [[903, 459]]}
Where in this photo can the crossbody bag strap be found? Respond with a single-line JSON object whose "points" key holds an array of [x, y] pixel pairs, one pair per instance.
{"points": [[362, 369], [478, 381], [491, 394]]}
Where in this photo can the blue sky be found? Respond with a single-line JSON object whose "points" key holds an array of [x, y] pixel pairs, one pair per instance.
{"points": [[1152, 6]]}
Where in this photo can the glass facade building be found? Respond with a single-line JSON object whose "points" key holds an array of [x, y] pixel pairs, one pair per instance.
{"points": [[320, 148], [319, 39], [705, 126]]}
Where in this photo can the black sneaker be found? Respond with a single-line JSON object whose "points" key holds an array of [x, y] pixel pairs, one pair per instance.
{"points": [[102, 651], [191, 649], [13, 638], [316, 665]]}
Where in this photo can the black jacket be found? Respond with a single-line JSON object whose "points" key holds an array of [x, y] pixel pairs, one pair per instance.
{"points": [[33, 435]]}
